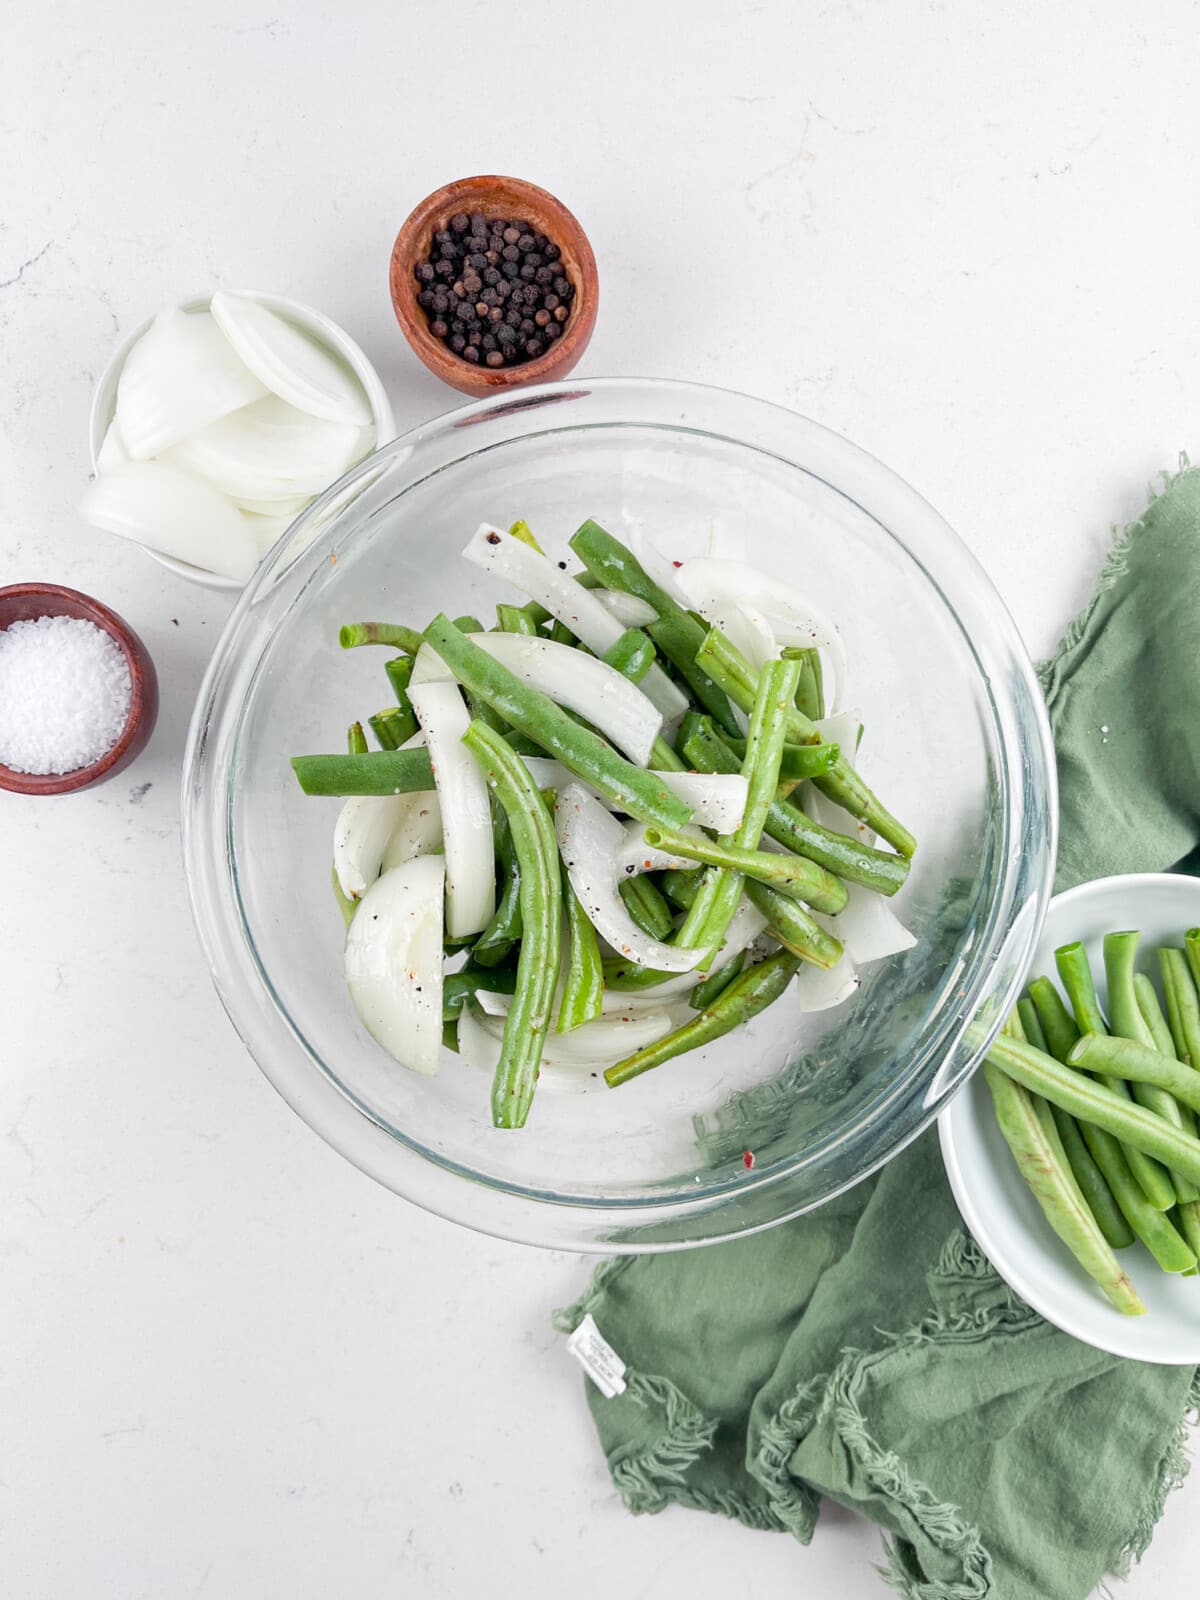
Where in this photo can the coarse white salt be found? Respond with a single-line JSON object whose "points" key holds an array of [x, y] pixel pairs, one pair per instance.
{"points": [[65, 692]]}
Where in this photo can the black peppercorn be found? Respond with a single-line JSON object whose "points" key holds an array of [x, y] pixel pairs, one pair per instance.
{"points": [[528, 325], [541, 318], [544, 276], [525, 242], [491, 277], [513, 318], [533, 347], [425, 298], [457, 343], [459, 223], [550, 302], [443, 269], [472, 352], [527, 273], [443, 237], [425, 272], [478, 222], [552, 330], [439, 329], [560, 313], [496, 359], [551, 250]]}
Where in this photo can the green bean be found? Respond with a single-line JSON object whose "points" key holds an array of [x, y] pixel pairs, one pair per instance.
{"points": [[799, 761], [1183, 1012], [521, 530], [1136, 1063], [1076, 974], [1187, 1220], [536, 851], [1160, 1036], [1047, 1176], [632, 655], [583, 991], [1098, 1109], [746, 997], [791, 875], [626, 977], [810, 694], [849, 859], [505, 928], [1035, 1014], [790, 925], [680, 887], [393, 634], [463, 985], [1057, 1023], [468, 624], [356, 740], [717, 982], [725, 662], [646, 906], [523, 744], [450, 1033], [393, 727], [1191, 945], [375, 772], [707, 921], [1124, 1008], [676, 634], [561, 634], [632, 789], [514, 619], [345, 905]]}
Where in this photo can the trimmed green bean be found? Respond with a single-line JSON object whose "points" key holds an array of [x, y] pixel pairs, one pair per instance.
{"points": [[676, 634], [1076, 973], [583, 752], [1191, 946], [799, 761], [521, 530], [393, 634], [632, 655], [725, 662], [373, 772], [716, 983], [1183, 1012], [849, 859], [1160, 1038], [468, 624], [1099, 1110], [791, 875], [561, 634], [583, 991], [514, 619], [746, 997], [536, 852], [1136, 1063], [393, 726], [680, 887], [1187, 1219], [450, 1034], [646, 906], [505, 928], [356, 740], [708, 919], [810, 694], [463, 985], [1120, 953], [790, 925], [1048, 1177], [1052, 1029]]}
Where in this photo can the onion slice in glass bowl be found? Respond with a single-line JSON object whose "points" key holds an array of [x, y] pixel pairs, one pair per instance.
{"points": [[465, 808], [394, 962]]}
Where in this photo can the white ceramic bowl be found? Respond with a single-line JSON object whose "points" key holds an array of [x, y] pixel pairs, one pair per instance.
{"points": [[314, 323], [995, 1203]]}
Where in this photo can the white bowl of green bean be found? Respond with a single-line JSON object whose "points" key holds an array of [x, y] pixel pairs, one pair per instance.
{"points": [[1011, 1225]]}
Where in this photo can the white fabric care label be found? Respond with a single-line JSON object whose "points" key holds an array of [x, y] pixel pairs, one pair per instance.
{"points": [[597, 1358]]}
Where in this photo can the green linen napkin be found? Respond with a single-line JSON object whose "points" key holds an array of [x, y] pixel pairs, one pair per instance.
{"points": [[868, 1352]]}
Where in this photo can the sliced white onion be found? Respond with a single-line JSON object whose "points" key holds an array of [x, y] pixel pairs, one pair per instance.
{"points": [[820, 989], [466, 814], [590, 841], [175, 513], [289, 506], [582, 683], [868, 927], [418, 831], [269, 448], [289, 362], [577, 608], [394, 962], [665, 573], [629, 611], [710, 583], [602, 1041], [635, 855], [747, 628], [843, 730], [181, 375], [717, 799], [112, 452], [360, 837], [744, 927]]}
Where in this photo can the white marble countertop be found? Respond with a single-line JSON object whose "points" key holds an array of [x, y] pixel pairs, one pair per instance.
{"points": [[232, 1366]]}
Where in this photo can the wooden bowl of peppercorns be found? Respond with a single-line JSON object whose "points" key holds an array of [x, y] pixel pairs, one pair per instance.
{"points": [[494, 284]]}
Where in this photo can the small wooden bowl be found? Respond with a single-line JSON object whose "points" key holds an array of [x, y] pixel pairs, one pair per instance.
{"points": [[25, 602], [494, 197]]}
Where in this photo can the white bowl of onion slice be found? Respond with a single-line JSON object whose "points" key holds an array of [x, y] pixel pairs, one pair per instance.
{"points": [[217, 421]]}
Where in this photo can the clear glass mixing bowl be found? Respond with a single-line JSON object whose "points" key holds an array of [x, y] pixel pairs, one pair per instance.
{"points": [[956, 743]]}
